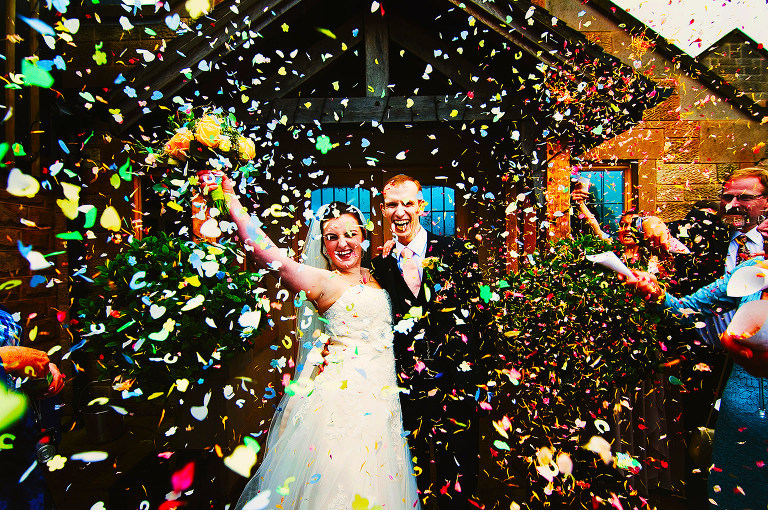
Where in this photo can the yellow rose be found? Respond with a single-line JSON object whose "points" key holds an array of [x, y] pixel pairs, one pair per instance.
{"points": [[178, 146], [208, 130], [246, 149]]}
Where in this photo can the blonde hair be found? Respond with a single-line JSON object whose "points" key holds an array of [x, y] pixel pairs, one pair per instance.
{"points": [[402, 179], [760, 172]]}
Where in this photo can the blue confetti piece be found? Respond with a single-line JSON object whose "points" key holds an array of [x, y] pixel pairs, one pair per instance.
{"points": [[45, 65], [59, 62], [78, 346], [120, 79], [38, 25], [63, 146], [37, 280], [157, 95]]}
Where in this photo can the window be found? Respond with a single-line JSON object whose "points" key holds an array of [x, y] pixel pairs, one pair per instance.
{"points": [[441, 210], [608, 197], [359, 197]]}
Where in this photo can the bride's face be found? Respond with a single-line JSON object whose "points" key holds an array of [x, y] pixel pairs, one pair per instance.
{"points": [[343, 239]]}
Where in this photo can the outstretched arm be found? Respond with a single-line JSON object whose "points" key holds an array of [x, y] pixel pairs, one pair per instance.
{"points": [[580, 198], [294, 276]]}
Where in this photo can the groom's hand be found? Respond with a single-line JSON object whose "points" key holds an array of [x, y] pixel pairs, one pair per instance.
{"points": [[387, 248]]}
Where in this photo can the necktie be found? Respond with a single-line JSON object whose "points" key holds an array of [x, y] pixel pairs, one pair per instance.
{"points": [[410, 267], [742, 252]]}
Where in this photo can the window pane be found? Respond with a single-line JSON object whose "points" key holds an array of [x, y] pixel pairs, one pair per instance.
{"points": [[607, 191], [439, 209], [360, 198]]}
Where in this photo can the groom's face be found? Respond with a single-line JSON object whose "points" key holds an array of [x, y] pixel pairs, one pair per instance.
{"points": [[403, 207]]}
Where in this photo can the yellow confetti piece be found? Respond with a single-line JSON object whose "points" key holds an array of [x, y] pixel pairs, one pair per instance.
{"points": [[21, 184], [110, 219]]}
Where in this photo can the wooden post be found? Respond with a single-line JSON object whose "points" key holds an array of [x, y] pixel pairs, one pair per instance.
{"points": [[376, 55], [558, 190], [137, 209], [10, 67]]}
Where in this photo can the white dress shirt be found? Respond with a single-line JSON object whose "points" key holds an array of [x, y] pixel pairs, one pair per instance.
{"points": [[754, 244]]}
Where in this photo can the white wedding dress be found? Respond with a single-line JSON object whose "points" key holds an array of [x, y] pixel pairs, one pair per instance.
{"points": [[341, 435]]}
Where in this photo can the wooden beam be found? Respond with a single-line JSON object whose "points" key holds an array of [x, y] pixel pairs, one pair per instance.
{"points": [[457, 68], [376, 55], [357, 110], [166, 75], [310, 62], [516, 33]]}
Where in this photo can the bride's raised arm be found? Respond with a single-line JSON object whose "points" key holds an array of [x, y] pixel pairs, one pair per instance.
{"points": [[265, 253]]}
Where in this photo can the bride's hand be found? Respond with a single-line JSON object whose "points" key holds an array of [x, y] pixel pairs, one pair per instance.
{"points": [[212, 179]]}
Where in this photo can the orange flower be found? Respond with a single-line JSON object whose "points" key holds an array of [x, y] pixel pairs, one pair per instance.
{"points": [[246, 149], [208, 130], [178, 146]]}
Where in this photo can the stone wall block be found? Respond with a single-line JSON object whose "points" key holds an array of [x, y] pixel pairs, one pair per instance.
{"points": [[667, 110], [672, 211], [681, 150], [666, 193], [685, 173], [707, 192], [724, 170]]}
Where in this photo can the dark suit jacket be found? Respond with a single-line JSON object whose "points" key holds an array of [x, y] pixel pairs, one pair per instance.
{"points": [[445, 346], [708, 239]]}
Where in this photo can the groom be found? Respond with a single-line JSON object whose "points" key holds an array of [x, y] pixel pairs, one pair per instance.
{"points": [[433, 282]]}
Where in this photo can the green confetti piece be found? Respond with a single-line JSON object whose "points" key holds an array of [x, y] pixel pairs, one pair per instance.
{"points": [[115, 181], [252, 444], [126, 325], [90, 215], [70, 236], [3, 149], [87, 96], [674, 380], [500, 445], [18, 150], [150, 31], [35, 76], [125, 171]]}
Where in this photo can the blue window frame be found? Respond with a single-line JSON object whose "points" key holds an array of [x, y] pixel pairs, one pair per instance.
{"points": [[359, 197], [607, 188], [441, 210]]}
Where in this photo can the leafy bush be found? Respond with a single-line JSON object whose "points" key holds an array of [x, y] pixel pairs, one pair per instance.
{"points": [[167, 308], [570, 335]]}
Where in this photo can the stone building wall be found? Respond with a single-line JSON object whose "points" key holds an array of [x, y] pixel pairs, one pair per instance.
{"points": [[741, 63], [688, 144]]}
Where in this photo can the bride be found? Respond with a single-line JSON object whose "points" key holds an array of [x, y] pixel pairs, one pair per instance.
{"points": [[337, 437]]}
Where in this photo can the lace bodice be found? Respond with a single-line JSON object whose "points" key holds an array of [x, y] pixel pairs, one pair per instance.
{"points": [[361, 317]]}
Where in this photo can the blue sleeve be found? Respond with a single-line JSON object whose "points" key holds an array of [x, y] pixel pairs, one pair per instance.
{"points": [[710, 300]]}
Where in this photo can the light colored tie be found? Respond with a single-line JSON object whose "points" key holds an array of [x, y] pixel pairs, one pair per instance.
{"points": [[410, 267]]}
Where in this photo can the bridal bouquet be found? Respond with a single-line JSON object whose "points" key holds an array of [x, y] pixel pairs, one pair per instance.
{"points": [[210, 139]]}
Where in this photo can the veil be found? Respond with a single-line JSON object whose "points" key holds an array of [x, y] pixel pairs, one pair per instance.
{"points": [[310, 331]]}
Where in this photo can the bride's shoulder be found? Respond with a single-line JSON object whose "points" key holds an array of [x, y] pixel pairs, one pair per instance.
{"points": [[369, 280]]}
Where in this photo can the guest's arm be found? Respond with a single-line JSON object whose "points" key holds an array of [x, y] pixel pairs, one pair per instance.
{"points": [[580, 197], [293, 275]]}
